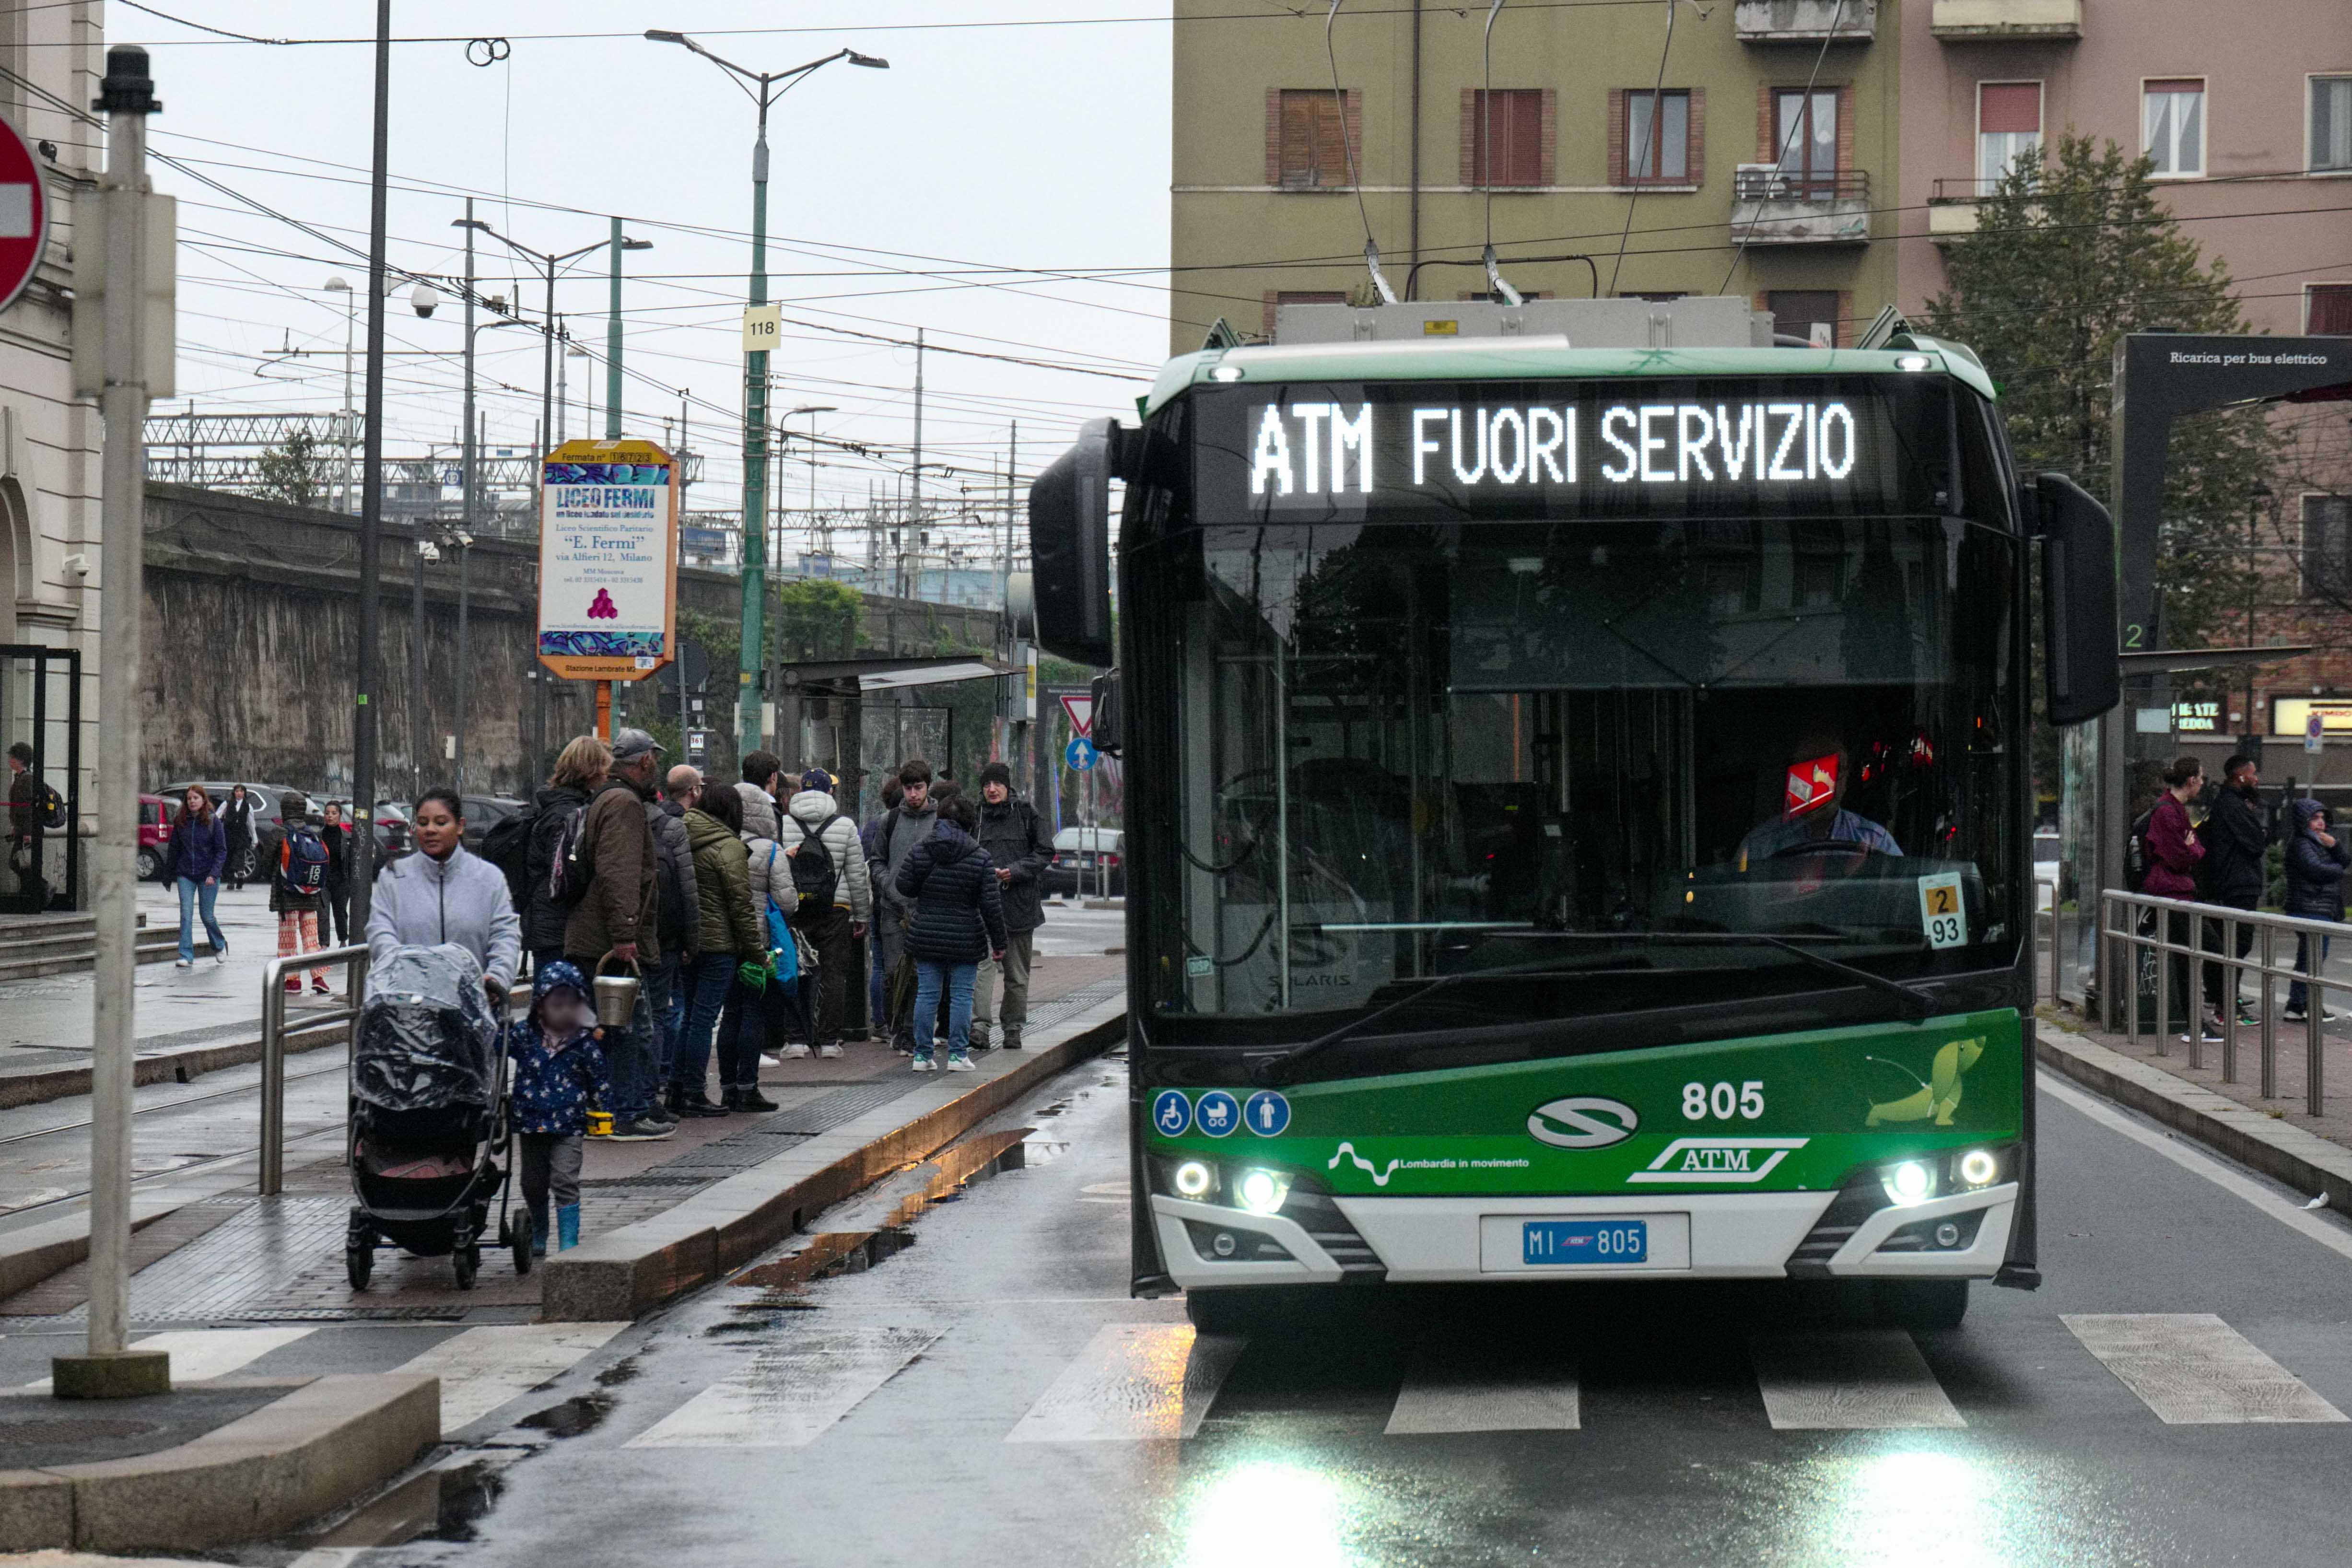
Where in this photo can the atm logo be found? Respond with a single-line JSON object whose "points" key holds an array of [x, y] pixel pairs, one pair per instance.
{"points": [[1726, 1161], [1586, 1122]]}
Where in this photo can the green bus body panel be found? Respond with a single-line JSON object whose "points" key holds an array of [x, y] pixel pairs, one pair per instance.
{"points": [[1833, 1100], [1486, 359]]}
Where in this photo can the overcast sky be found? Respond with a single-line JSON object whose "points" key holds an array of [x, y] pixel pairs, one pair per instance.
{"points": [[922, 195]]}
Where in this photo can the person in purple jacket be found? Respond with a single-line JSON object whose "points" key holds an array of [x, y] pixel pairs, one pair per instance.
{"points": [[193, 861], [2173, 857]]}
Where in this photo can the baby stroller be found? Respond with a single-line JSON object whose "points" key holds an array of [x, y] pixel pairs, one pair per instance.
{"points": [[430, 1145]]}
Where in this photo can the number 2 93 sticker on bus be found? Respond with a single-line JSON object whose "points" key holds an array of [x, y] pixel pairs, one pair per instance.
{"points": [[1941, 912]]}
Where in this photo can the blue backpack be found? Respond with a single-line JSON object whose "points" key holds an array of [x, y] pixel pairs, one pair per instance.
{"points": [[306, 861], [782, 940]]}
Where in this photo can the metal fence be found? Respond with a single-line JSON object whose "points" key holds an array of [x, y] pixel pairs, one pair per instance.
{"points": [[2145, 934], [352, 960]]}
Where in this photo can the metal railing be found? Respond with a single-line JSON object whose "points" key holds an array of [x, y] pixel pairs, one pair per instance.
{"points": [[2133, 924], [352, 960], [1769, 182]]}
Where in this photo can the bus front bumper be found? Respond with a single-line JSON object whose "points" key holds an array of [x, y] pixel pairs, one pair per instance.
{"points": [[1722, 1236]]}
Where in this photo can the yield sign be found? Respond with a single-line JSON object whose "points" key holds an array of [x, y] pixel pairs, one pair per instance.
{"points": [[24, 214], [1080, 706]]}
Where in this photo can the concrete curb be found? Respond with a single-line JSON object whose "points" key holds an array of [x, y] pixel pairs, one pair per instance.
{"points": [[162, 1067], [628, 1273], [331, 1440], [2279, 1149]]}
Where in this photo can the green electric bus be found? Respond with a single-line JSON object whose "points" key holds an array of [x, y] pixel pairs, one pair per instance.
{"points": [[1577, 800]]}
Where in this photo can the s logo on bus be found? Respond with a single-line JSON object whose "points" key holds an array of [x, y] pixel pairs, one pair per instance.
{"points": [[1585, 1122]]}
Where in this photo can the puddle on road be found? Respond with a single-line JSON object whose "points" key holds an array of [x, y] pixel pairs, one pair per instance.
{"points": [[576, 1416], [468, 1493], [830, 1253], [625, 1370], [444, 1503]]}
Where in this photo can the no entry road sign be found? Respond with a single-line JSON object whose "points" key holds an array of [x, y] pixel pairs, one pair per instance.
{"points": [[24, 214]]}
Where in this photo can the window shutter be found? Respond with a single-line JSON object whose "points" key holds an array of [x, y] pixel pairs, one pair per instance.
{"points": [[2329, 310], [1616, 135], [1274, 96], [2009, 106], [1297, 168], [1766, 150], [1547, 135], [1698, 135], [1845, 128], [1470, 136]]}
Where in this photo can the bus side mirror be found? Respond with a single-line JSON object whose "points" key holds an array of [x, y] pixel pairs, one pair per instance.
{"points": [[1107, 724], [2078, 601], [1070, 544]]}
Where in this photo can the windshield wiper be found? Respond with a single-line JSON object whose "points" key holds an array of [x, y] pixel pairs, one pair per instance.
{"points": [[1918, 1004]]}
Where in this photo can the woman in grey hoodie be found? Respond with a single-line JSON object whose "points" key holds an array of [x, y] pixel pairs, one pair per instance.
{"points": [[444, 893]]}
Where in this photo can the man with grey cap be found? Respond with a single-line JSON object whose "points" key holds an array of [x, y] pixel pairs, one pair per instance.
{"points": [[615, 923]]}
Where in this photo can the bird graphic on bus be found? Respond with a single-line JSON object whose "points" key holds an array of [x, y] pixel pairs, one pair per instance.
{"points": [[1937, 1098]]}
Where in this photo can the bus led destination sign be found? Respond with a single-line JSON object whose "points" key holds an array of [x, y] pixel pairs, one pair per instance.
{"points": [[1631, 443], [1777, 444]]}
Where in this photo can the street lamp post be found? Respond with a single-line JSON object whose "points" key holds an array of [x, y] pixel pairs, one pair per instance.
{"points": [[770, 86], [612, 332], [550, 262]]}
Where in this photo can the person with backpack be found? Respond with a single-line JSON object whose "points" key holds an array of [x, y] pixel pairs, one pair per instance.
{"points": [[676, 905], [1019, 848], [2235, 873], [581, 769], [2173, 856], [298, 888], [732, 945], [34, 809], [601, 867], [240, 817], [829, 899], [2316, 860], [446, 893], [191, 863], [956, 919]]}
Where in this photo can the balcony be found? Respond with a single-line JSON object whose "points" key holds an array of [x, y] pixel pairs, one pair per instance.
{"points": [[1805, 21], [2039, 21], [1953, 208], [1771, 206]]}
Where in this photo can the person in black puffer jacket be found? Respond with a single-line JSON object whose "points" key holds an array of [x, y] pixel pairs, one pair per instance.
{"points": [[958, 920], [2316, 860], [2234, 873]]}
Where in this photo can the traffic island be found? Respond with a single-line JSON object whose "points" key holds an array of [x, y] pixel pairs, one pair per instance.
{"points": [[227, 1461]]}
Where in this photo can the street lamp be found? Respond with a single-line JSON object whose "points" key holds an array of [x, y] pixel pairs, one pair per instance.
{"points": [[771, 86], [549, 261], [336, 285], [612, 332]]}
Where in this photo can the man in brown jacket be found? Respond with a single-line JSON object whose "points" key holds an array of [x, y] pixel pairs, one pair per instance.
{"points": [[615, 923]]}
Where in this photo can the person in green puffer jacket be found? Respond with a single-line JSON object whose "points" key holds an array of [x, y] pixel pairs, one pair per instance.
{"points": [[733, 938]]}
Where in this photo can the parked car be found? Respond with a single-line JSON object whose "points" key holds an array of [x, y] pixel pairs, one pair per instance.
{"points": [[1093, 853], [393, 838], [154, 833], [484, 812]]}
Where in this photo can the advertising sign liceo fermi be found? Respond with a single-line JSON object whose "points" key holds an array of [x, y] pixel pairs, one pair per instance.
{"points": [[608, 560]]}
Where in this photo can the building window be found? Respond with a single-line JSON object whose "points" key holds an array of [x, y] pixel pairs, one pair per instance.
{"points": [[2009, 128], [1805, 131], [1502, 137], [1808, 313], [1307, 138], [2172, 127], [2331, 123], [2327, 310], [1657, 138], [2326, 545]]}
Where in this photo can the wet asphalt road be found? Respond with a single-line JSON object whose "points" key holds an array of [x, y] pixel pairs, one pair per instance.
{"points": [[985, 1395]]}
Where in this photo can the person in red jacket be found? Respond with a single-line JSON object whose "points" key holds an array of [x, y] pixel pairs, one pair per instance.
{"points": [[2174, 853]]}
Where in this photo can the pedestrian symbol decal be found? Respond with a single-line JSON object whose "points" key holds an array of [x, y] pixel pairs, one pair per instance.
{"points": [[1218, 1112], [1267, 1113], [1171, 1113], [602, 607]]}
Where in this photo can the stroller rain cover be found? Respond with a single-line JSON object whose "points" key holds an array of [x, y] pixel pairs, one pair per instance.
{"points": [[427, 1038]]}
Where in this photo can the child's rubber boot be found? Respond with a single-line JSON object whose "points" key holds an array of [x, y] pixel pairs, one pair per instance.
{"points": [[567, 1228]]}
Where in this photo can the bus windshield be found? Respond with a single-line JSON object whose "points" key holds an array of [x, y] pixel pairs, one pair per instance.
{"points": [[1410, 748]]}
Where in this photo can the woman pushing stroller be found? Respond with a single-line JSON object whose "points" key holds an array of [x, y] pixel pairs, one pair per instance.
{"points": [[559, 1073]]}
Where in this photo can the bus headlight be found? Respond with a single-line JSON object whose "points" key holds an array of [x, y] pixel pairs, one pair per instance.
{"points": [[1978, 1167], [1262, 1192], [1912, 1182], [1194, 1179]]}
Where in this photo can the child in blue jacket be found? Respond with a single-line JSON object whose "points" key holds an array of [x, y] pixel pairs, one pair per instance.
{"points": [[558, 1072]]}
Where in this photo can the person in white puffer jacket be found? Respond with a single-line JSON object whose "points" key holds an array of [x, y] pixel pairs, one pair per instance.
{"points": [[834, 925]]}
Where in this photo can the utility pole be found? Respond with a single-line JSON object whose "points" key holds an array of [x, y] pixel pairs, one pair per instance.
{"points": [[613, 345], [364, 714], [466, 478], [111, 1369], [755, 467], [916, 507], [416, 726]]}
